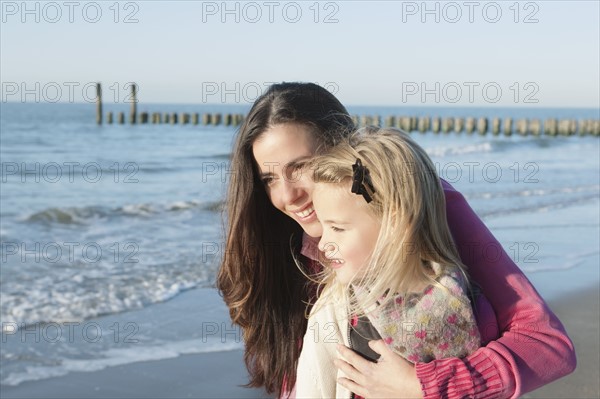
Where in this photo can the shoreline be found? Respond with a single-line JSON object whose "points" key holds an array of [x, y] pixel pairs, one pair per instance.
{"points": [[221, 374]]}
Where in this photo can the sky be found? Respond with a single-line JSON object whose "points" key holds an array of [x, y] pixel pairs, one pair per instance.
{"points": [[391, 53]]}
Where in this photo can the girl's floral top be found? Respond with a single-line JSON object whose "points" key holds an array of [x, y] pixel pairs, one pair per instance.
{"points": [[436, 323]]}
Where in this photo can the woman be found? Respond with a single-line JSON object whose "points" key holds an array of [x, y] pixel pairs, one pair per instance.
{"points": [[271, 220]]}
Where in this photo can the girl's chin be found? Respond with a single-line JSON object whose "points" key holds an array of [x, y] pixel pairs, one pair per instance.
{"points": [[340, 278]]}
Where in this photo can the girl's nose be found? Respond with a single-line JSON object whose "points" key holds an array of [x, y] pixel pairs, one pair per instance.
{"points": [[328, 248], [322, 243]]}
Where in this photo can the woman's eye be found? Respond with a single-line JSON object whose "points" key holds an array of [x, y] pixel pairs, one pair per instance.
{"points": [[336, 229], [267, 180], [293, 171]]}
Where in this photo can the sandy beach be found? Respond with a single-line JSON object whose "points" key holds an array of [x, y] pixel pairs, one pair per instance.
{"points": [[221, 374], [207, 375]]}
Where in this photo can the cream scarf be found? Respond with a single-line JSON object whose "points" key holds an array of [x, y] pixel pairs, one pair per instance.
{"points": [[328, 325]]}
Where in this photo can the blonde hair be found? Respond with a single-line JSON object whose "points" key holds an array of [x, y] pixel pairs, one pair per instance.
{"points": [[409, 201]]}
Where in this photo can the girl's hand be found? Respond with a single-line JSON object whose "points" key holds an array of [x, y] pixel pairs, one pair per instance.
{"points": [[391, 377]]}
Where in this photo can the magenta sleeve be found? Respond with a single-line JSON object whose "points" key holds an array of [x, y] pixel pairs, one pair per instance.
{"points": [[533, 348]]}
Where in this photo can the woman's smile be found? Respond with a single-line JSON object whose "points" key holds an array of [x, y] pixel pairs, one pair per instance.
{"points": [[307, 213]]}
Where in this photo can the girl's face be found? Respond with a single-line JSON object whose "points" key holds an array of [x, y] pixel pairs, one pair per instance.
{"points": [[290, 190], [350, 231]]}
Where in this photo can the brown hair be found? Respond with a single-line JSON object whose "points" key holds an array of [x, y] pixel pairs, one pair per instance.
{"points": [[261, 285]]}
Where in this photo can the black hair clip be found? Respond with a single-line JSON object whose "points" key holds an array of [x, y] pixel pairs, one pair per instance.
{"points": [[361, 181]]}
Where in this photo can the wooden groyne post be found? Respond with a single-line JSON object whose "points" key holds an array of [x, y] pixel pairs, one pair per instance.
{"points": [[133, 111], [98, 104]]}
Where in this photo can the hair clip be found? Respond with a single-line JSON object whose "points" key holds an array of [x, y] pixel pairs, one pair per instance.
{"points": [[361, 181]]}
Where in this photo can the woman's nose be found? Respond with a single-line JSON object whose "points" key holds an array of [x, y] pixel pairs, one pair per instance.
{"points": [[291, 192]]}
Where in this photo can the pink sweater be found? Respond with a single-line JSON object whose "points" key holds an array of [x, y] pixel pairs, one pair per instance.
{"points": [[533, 348]]}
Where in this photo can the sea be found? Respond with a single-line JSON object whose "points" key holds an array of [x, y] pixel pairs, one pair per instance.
{"points": [[111, 235]]}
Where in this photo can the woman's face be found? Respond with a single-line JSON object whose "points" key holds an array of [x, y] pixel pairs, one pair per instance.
{"points": [[276, 151]]}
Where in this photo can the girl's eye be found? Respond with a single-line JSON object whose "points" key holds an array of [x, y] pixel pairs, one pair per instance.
{"points": [[336, 229]]}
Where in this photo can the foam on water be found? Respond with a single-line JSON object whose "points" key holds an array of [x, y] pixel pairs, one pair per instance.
{"points": [[70, 297], [446, 151], [193, 322], [593, 188]]}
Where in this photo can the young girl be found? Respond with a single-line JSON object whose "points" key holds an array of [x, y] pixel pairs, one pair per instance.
{"points": [[388, 255]]}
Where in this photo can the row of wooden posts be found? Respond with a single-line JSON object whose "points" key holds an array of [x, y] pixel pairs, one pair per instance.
{"points": [[482, 125], [174, 118]]}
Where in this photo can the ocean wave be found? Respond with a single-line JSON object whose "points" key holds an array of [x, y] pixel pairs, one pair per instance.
{"points": [[222, 156], [66, 298], [3, 234], [70, 215], [537, 268], [83, 215], [571, 261], [497, 145], [539, 207], [216, 206], [534, 192], [444, 151]]}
